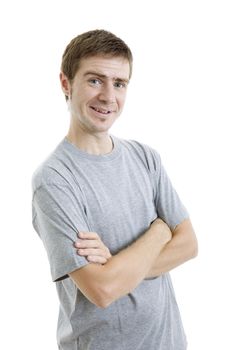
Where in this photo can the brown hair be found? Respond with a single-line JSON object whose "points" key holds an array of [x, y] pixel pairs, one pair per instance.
{"points": [[92, 43]]}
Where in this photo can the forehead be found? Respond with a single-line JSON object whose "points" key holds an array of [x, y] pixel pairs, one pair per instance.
{"points": [[111, 67]]}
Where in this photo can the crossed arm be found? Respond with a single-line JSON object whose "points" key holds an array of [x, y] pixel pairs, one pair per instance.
{"points": [[157, 251]]}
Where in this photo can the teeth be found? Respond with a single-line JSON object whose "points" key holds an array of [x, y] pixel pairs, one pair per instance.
{"points": [[101, 110]]}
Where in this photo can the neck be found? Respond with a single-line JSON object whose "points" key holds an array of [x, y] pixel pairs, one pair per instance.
{"points": [[96, 144]]}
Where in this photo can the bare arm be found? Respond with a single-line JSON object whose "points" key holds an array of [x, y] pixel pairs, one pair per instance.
{"points": [[103, 284], [182, 247]]}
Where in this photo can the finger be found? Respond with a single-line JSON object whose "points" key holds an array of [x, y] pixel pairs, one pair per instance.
{"points": [[96, 252], [88, 235], [90, 243], [96, 259], [108, 255]]}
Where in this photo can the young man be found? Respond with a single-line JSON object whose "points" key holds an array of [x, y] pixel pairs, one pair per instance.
{"points": [[109, 218]]}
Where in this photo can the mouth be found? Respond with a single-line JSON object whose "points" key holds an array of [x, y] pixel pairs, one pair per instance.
{"points": [[102, 111]]}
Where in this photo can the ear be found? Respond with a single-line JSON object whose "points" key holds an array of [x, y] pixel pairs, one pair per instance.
{"points": [[65, 84]]}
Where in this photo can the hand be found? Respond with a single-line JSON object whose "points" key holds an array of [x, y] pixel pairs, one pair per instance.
{"points": [[91, 246], [161, 228]]}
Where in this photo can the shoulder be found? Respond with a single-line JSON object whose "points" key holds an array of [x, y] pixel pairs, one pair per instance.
{"points": [[142, 152], [52, 171]]}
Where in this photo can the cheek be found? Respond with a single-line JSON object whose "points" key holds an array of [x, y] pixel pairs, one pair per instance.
{"points": [[88, 92], [83, 93], [79, 101], [122, 101]]}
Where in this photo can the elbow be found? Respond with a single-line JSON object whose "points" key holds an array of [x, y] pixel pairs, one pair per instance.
{"points": [[101, 290], [98, 296], [103, 298]]}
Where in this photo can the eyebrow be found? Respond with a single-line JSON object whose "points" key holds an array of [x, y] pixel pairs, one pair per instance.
{"points": [[105, 76]]}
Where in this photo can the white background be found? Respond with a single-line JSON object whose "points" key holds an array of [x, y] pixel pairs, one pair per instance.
{"points": [[179, 102]]}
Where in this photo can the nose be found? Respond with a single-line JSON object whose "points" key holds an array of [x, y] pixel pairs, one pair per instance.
{"points": [[107, 93]]}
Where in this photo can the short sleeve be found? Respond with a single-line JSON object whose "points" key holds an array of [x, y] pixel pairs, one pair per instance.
{"points": [[58, 215], [168, 203]]}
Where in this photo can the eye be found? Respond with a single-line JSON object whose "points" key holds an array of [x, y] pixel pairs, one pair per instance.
{"points": [[94, 81], [119, 84]]}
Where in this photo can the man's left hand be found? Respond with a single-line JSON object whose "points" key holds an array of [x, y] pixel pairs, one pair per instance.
{"points": [[92, 248]]}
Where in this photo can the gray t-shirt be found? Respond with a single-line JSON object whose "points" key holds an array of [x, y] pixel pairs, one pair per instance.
{"points": [[117, 195]]}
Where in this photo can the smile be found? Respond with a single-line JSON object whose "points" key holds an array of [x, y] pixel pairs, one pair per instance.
{"points": [[101, 110]]}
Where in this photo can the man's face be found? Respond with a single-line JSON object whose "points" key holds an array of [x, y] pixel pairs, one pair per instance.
{"points": [[98, 93]]}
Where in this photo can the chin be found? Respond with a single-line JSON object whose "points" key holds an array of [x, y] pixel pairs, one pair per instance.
{"points": [[102, 127], [101, 130]]}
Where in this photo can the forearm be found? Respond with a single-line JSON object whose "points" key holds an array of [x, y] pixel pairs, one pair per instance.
{"points": [[181, 248], [103, 284], [129, 267]]}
